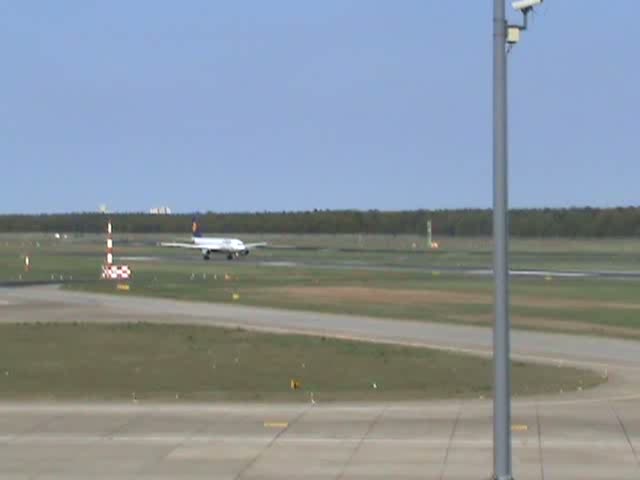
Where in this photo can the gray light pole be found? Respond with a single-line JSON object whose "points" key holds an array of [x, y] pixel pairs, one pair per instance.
{"points": [[501, 360], [503, 35]]}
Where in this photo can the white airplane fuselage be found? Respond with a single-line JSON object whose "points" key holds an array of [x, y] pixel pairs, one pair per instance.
{"points": [[230, 246]]}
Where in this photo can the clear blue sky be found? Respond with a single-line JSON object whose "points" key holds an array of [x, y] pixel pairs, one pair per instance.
{"points": [[291, 105]]}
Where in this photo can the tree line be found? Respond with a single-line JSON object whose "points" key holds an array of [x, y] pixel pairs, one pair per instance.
{"points": [[571, 222]]}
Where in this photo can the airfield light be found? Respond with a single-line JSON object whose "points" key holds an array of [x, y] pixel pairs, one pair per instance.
{"points": [[505, 36]]}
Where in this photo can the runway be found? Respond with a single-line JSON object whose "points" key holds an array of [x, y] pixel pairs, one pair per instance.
{"points": [[458, 270], [472, 271], [584, 435]]}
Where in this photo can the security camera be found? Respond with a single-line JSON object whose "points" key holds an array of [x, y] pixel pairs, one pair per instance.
{"points": [[526, 5]]}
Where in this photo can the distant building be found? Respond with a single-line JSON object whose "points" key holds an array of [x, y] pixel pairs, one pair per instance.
{"points": [[160, 211]]}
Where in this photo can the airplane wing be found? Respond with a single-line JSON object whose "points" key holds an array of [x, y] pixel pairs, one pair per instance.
{"points": [[251, 246], [181, 245]]}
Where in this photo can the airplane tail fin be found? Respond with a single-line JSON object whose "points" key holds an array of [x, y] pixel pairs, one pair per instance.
{"points": [[195, 228]]}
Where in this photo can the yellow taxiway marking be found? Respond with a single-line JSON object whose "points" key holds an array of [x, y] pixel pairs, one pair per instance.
{"points": [[276, 424], [519, 428]]}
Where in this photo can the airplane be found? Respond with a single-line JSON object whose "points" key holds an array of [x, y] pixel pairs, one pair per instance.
{"points": [[232, 247]]}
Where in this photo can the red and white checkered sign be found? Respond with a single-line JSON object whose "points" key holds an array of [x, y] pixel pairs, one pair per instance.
{"points": [[116, 272]]}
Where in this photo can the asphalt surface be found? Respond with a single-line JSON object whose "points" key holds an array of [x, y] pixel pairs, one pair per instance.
{"points": [[583, 435], [459, 270], [347, 264]]}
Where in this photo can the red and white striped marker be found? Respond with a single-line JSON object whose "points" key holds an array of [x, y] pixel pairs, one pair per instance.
{"points": [[109, 270], [109, 244]]}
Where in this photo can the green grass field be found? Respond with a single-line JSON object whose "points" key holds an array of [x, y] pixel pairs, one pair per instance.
{"points": [[590, 306], [145, 362]]}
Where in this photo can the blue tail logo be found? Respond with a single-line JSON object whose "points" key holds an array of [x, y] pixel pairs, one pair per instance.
{"points": [[195, 228]]}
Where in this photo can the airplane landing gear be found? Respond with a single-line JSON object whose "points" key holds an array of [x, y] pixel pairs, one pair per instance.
{"points": [[230, 256]]}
